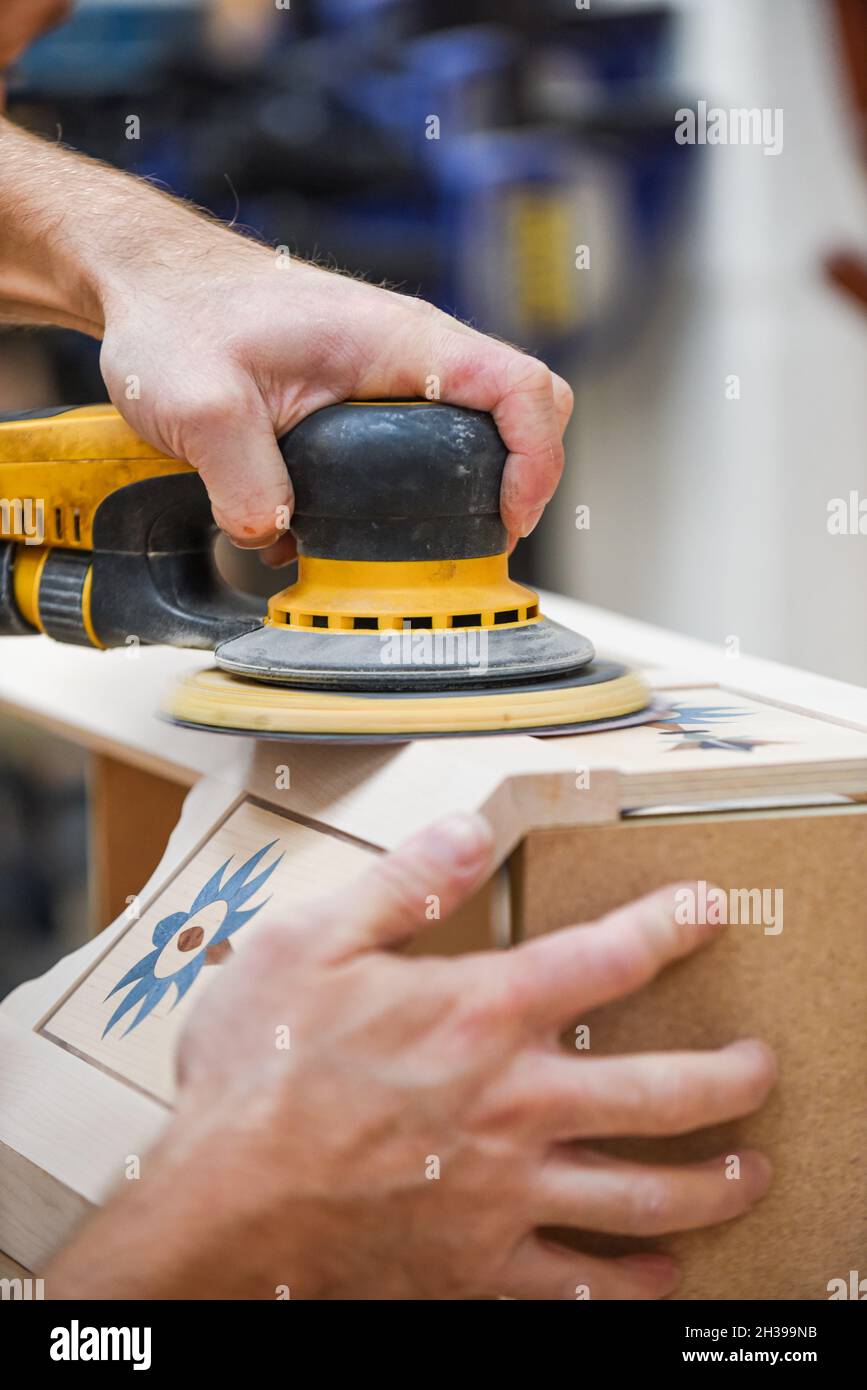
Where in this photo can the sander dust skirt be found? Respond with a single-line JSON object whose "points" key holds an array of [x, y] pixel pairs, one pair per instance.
{"points": [[407, 659]]}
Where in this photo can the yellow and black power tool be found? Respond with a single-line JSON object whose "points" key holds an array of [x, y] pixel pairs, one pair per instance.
{"points": [[102, 537], [403, 621]]}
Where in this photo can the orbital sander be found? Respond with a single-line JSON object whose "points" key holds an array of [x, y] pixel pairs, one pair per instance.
{"points": [[402, 622]]}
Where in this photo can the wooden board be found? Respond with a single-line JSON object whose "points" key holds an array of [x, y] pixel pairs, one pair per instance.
{"points": [[202, 916], [709, 744], [74, 1105], [109, 701], [69, 1118]]}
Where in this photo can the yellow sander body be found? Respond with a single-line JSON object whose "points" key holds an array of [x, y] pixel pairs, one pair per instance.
{"points": [[402, 623]]}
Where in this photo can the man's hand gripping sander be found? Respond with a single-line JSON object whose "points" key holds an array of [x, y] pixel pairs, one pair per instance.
{"points": [[402, 622]]}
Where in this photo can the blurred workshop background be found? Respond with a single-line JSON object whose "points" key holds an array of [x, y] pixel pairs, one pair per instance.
{"points": [[515, 162]]}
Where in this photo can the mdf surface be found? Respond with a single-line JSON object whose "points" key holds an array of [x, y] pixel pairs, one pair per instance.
{"points": [[802, 990]]}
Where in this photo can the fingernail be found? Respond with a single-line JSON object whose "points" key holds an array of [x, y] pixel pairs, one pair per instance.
{"points": [[760, 1053], [245, 537], [532, 521], [460, 839], [762, 1170], [252, 541]]}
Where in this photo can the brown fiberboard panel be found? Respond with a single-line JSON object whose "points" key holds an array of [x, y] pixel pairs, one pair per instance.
{"points": [[802, 990]]}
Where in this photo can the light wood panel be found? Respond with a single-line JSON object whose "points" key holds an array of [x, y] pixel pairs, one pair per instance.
{"points": [[300, 863], [67, 1124], [73, 1105], [110, 701]]}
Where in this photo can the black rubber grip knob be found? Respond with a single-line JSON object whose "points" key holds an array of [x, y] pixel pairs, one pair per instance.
{"points": [[396, 481], [61, 596]]}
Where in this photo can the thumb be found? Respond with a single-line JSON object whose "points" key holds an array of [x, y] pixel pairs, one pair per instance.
{"points": [[236, 453], [440, 866]]}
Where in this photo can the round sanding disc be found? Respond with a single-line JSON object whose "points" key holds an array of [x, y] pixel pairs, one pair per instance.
{"points": [[215, 700]]}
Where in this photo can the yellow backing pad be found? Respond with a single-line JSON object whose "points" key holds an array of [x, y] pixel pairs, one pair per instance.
{"points": [[214, 699]]}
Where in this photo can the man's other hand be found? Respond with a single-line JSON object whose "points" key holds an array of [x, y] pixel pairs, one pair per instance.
{"points": [[424, 1126]]}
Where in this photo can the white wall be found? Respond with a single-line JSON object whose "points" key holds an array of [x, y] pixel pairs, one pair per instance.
{"points": [[708, 515]]}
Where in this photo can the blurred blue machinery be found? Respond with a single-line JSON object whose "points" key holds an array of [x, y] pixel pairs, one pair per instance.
{"points": [[464, 151]]}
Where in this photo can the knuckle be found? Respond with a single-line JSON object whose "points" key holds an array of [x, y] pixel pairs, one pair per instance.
{"points": [[402, 893], [647, 939], [640, 1100], [509, 991], [656, 921], [681, 1103], [623, 961], [494, 1006], [528, 375], [501, 1114], [480, 1018], [556, 458], [564, 396], [465, 367], [211, 409], [422, 308], [195, 412], [653, 1204]]}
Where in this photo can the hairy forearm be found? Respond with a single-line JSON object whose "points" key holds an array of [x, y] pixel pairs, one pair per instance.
{"points": [[76, 235]]}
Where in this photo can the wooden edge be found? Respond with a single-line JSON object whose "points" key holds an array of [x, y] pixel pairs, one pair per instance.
{"points": [[656, 648], [382, 796], [378, 800], [204, 805], [70, 1150]]}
